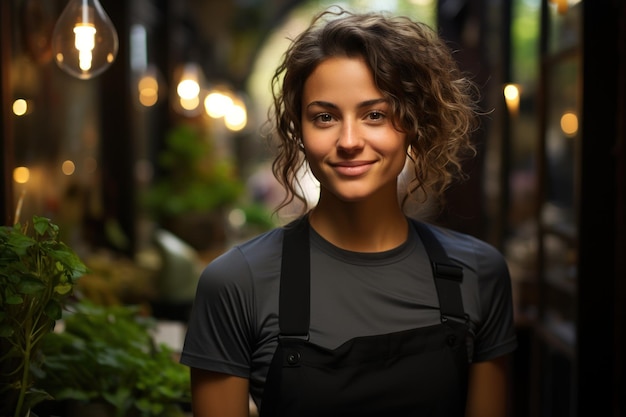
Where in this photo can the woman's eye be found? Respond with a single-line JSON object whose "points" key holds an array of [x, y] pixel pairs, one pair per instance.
{"points": [[376, 115], [324, 117]]}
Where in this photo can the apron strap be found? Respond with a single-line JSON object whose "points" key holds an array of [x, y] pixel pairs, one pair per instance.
{"points": [[294, 301], [295, 275], [448, 276]]}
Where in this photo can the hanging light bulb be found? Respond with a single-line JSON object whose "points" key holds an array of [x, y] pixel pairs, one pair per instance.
{"points": [[84, 41], [187, 92]]}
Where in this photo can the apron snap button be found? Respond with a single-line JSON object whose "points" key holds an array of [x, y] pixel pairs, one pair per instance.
{"points": [[293, 358], [451, 339]]}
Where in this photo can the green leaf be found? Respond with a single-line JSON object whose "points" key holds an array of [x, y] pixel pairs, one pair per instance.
{"points": [[43, 225], [63, 288], [34, 397], [53, 310], [20, 243], [14, 299], [31, 285], [69, 261]]}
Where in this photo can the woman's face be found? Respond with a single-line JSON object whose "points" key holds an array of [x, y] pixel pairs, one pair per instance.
{"points": [[349, 139]]}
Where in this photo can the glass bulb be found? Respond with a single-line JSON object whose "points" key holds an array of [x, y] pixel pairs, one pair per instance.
{"points": [[84, 41]]}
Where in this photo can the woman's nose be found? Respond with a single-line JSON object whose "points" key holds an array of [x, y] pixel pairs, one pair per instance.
{"points": [[349, 136]]}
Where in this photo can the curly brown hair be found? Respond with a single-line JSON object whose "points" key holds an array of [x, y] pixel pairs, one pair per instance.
{"points": [[430, 100]]}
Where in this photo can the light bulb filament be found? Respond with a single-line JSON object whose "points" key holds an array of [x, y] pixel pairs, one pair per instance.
{"points": [[85, 41]]}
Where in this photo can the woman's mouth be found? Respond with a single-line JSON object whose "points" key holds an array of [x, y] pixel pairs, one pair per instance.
{"points": [[352, 168]]}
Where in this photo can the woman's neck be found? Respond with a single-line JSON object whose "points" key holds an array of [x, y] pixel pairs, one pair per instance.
{"points": [[360, 226]]}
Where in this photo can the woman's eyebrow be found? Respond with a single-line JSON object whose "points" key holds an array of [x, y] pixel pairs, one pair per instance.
{"points": [[321, 103], [326, 104]]}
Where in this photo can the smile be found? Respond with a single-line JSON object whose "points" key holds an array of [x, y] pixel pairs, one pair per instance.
{"points": [[352, 168]]}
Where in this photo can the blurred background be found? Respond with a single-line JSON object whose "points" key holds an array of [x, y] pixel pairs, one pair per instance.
{"points": [[151, 158]]}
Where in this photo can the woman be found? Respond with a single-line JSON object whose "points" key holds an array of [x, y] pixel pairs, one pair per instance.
{"points": [[355, 309]]}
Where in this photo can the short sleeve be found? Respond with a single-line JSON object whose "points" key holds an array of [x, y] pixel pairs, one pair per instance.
{"points": [[220, 327], [495, 335]]}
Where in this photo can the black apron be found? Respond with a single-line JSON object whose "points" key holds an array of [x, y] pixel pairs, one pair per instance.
{"points": [[419, 372]]}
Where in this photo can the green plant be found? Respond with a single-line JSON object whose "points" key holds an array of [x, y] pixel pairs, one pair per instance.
{"points": [[106, 354], [192, 179], [37, 275]]}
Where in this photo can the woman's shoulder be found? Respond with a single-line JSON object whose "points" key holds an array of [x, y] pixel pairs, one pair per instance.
{"points": [[245, 259], [254, 249], [467, 249]]}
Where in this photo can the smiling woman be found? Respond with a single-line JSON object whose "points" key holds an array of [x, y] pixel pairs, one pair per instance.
{"points": [[355, 308]]}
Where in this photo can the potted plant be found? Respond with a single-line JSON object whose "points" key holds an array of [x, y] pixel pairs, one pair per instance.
{"points": [[106, 357], [37, 275]]}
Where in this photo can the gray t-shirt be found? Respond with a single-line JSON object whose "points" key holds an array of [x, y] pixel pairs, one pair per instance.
{"points": [[234, 324]]}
